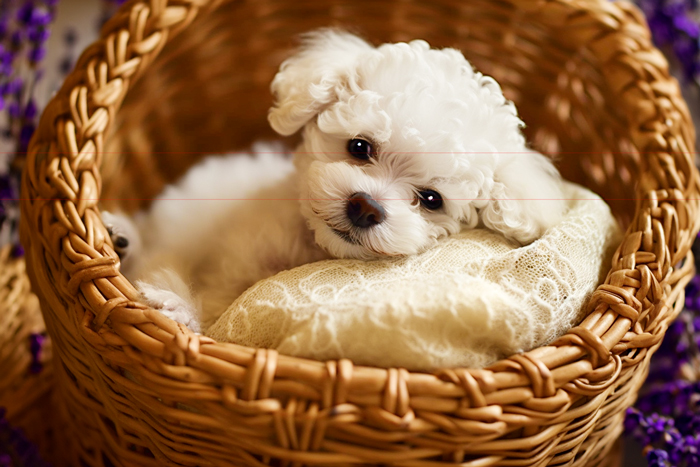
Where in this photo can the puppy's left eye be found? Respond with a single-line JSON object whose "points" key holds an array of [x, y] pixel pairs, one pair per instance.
{"points": [[430, 199], [360, 149]]}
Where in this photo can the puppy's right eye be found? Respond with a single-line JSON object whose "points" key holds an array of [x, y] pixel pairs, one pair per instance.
{"points": [[430, 199], [360, 149]]}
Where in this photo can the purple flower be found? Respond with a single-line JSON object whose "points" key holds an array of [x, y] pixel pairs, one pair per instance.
{"points": [[36, 344], [14, 110], [16, 40], [691, 449], [30, 110], [18, 252], [687, 26], [25, 135], [29, 15], [39, 35], [672, 22], [633, 419], [658, 458], [25, 12], [41, 18], [37, 54], [657, 402], [6, 191], [6, 59], [15, 86]]}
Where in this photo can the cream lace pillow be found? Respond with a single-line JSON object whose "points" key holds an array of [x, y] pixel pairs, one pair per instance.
{"points": [[471, 300]]}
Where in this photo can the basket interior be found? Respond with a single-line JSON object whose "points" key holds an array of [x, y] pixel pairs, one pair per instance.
{"points": [[208, 90]]}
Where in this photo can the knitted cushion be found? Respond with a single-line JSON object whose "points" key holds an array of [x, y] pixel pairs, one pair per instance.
{"points": [[473, 299]]}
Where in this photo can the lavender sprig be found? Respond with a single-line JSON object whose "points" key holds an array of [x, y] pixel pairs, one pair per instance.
{"points": [[36, 346], [666, 419], [24, 31], [676, 24], [32, 22], [666, 440]]}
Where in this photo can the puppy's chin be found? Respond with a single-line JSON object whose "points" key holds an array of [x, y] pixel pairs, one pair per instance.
{"points": [[366, 244], [344, 245]]}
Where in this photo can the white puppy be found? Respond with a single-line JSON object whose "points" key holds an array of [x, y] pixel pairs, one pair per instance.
{"points": [[402, 145]]}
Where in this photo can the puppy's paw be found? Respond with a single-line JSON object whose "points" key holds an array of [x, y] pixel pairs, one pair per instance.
{"points": [[124, 234], [171, 305]]}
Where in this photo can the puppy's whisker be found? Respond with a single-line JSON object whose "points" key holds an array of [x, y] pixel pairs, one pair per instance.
{"points": [[346, 236]]}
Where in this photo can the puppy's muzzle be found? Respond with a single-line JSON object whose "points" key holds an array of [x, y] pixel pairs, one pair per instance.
{"points": [[364, 212]]}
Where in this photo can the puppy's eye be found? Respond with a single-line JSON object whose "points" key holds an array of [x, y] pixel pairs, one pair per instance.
{"points": [[430, 199], [360, 149]]}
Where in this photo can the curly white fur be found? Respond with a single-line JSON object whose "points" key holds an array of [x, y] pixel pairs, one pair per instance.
{"points": [[435, 123]]}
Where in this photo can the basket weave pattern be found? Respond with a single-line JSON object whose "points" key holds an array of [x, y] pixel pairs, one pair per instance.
{"points": [[135, 388], [25, 395]]}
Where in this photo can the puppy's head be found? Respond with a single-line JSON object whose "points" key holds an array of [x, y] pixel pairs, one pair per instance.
{"points": [[403, 144]]}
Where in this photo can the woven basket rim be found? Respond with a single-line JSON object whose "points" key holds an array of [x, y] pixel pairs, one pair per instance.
{"points": [[71, 126]]}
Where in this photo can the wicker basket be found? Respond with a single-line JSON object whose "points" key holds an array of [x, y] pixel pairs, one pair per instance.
{"points": [[25, 389], [138, 389]]}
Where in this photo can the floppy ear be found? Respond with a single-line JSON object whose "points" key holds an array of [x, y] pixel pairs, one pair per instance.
{"points": [[526, 198], [310, 80]]}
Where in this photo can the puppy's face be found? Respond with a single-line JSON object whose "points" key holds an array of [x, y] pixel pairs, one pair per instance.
{"points": [[401, 143], [369, 192], [365, 200]]}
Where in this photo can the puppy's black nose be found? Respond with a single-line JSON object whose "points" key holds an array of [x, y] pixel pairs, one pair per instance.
{"points": [[364, 212]]}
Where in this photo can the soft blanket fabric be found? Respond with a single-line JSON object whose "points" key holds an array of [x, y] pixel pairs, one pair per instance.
{"points": [[471, 300]]}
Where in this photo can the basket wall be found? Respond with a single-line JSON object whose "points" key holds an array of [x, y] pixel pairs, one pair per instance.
{"points": [[24, 394], [134, 388]]}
